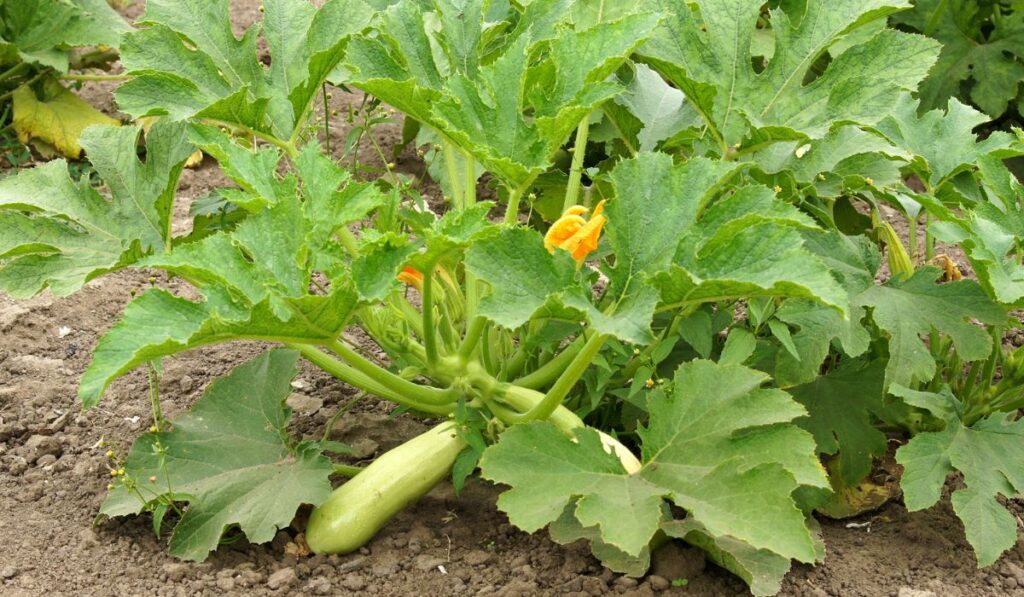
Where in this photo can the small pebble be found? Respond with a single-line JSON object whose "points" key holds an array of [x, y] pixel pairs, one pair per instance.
{"points": [[283, 578], [658, 583]]}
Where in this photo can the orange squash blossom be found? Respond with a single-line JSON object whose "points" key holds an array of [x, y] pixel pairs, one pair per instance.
{"points": [[573, 233], [411, 277]]}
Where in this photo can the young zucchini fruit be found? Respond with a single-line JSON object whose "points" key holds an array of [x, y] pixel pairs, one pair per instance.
{"points": [[354, 513]]}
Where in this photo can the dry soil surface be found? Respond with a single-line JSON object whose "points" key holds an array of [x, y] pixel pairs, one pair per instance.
{"points": [[53, 477]]}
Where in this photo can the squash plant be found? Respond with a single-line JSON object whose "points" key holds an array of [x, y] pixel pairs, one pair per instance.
{"points": [[700, 343]]}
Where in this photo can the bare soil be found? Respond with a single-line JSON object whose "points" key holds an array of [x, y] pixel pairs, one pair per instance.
{"points": [[53, 477]]}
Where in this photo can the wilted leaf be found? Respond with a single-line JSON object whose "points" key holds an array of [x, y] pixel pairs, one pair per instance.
{"points": [[58, 118]]}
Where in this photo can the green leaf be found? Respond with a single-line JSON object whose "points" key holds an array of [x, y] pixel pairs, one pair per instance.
{"points": [[988, 454], [188, 63], [906, 310], [711, 447], [523, 276], [42, 30], [854, 260], [660, 108], [846, 151], [158, 324], [817, 327], [547, 469], [762, 259], [654, 202], [332, 199], [762, 569], [512, 110], [254, 171], [230, 458], [739, 346], [454, 232], [975, 48], [842, 409], [567, 529], [374, 271], [944, 142], [708, 55], [60, 234], [990, 243]]}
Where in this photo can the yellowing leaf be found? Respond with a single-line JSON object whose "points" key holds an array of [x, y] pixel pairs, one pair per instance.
{"points": [[57, 120]]}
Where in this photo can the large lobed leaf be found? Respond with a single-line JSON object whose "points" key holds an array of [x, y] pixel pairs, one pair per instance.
{"points": [[719, 446], [987, 453], [943, 142], [188, 63], [908, 309], [42, 31], [987, 53], [256, 280], [843, 409], [674, 245], [509, 104], [710, 55], [59, 234], [230, 458]]}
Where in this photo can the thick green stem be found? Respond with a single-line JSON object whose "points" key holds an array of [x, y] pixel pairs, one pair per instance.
{"points": [[354, 377], [988, 375], [348, 241], [472, 288], [389, 380], [429, 329], [554, 397], [76, 77], [912, 239], [472, 339], [470, 189], [525, 400], [288, 146], [512, 209], [561, 417], [154, 398], [327, 118], [514, 198], [14, 71], [347, 470], [411, 316], [454, 182], [10, 93], [547, 374], [579, 153], [929, 240], [936, 18]]}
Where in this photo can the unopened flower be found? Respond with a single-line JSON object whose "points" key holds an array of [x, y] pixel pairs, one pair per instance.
{"points": [[575, 234]]}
